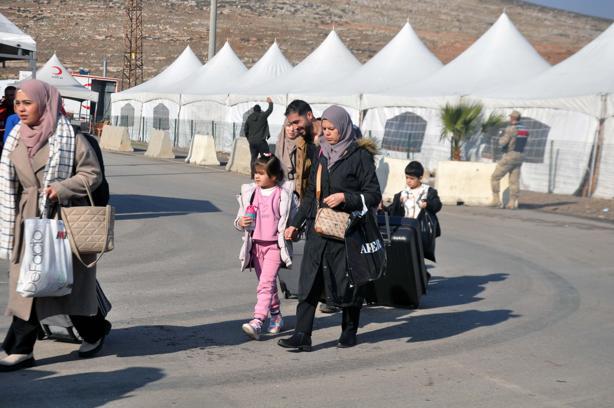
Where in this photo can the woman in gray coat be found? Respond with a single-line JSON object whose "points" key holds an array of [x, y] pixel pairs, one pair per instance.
{"points": [[43, 156]]}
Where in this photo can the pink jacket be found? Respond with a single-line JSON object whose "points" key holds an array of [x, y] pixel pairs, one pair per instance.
{"points": [[287, 209]]}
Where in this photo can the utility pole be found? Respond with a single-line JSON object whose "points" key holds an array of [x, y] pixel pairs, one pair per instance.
{"points": [[212, 29], [132, 73]]}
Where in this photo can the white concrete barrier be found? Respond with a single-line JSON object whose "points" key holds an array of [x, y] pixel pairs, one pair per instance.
{"points": [[468, 183], [160, 145], [202, 151], [115, 138], [391, 176], [240, 157]]}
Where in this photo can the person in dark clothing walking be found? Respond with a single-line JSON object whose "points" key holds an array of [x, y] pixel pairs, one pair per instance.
{"points": [[347, 178], [306, 129], [257, 132]]}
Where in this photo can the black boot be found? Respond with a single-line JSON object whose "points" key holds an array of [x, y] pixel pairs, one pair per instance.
{"points": [[349, 327], [347, 339], [299, 341]]}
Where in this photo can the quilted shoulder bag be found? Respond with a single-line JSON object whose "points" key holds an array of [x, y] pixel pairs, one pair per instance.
{"points": [[90, 228], [329, 223]]}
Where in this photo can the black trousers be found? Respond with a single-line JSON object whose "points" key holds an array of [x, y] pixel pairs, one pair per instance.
{"points": [[256, 149], [22, 334], [306, 310]]}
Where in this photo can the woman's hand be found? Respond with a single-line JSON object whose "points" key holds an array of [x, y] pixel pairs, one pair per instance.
{"points": [[245, 221], [334, 200], [51, 193], [290, 233], [422, 204]]}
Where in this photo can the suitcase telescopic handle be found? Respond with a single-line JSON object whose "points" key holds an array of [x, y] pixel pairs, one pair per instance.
{"points": [[387, 221]]}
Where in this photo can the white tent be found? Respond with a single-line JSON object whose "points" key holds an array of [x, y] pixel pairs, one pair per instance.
{"points": [[404, 60], [406, 117], [15, 44], [56, 74], [200, 114], [134, 107], [165, 82], [500, 56], [271, 65], [332, 61], [571, 98]]}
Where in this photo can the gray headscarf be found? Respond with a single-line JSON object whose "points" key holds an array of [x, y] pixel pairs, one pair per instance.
{"points": [[343, 123]]}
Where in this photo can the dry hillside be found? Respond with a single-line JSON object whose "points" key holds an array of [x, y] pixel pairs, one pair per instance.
{"points": [[83, 31]]}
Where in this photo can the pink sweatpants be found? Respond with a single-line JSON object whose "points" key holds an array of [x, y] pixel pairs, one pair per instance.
{"points": [[266, 258]]}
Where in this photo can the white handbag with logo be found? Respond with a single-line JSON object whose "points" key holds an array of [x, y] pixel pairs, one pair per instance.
{"points": [[46, 265]]}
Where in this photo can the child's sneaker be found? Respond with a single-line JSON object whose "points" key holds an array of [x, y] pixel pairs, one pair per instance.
{"points": [[253, 328], [276, 323]]}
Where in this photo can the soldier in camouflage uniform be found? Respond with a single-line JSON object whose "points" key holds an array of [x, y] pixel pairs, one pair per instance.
{"points": [[513, 142]]}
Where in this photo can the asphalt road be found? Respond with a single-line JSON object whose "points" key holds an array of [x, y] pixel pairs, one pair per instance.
{"points": [[518, 314]]}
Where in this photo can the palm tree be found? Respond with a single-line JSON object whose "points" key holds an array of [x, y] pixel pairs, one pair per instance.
{"points": [[494, 121], [459, 122]]}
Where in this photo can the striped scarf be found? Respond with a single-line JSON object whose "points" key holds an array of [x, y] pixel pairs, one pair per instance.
{"points": [[59, 167]]}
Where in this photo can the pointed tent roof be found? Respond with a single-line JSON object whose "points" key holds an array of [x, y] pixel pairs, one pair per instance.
{"points": [[405, 59], [501, 55], [165, 82], [330, 62], [575, 83], [12, 36], [56, 74], [270, 66], [184, 65], [215, 77]]}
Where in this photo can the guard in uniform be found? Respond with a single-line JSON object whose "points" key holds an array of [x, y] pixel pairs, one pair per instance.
{"points": [[513, 141]]}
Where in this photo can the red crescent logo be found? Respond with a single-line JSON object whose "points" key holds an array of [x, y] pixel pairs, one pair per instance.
{"points": [[58, 69], [87, 85]]}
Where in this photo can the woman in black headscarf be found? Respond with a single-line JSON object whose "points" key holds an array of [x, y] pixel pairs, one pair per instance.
{"points": [[347, 176]]}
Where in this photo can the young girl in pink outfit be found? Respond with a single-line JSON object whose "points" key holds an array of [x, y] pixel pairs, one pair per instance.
{"points": [[264, 247]]}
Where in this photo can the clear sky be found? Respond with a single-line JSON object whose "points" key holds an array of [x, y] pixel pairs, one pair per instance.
{"points": [[599, 8]]}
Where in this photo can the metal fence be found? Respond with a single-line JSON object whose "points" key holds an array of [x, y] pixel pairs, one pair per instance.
{"points": [[553, 166]]}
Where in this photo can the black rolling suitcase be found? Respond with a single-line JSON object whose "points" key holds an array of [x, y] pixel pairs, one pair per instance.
{"points": [[405, 279], [288, 278]]}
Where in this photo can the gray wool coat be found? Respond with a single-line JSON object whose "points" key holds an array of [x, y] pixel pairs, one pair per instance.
{"points": [[82, 301]]}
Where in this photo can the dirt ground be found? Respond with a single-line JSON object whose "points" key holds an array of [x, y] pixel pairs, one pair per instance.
{"points": [[594, 208]]}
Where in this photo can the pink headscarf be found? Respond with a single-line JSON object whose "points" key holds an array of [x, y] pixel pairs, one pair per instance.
{"points": [[48, 99]]}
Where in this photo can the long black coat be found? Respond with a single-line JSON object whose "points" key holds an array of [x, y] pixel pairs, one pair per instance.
{"points": [[353, 175]]}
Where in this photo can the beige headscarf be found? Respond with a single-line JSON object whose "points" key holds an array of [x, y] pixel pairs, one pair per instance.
{"points": [[48, 99], [284, 148]]}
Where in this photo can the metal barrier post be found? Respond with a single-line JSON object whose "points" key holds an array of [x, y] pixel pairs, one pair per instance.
{"points": [[550, 169]]}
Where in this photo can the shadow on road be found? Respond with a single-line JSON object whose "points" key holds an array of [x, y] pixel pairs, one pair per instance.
{"points": [[460, 290], [432, 326], [34, 388], [539, 206], [135, 206], [148, 340]]}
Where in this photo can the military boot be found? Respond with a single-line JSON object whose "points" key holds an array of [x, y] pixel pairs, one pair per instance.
{"points": [[496, 201]]}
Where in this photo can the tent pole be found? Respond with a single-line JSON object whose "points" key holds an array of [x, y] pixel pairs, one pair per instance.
{"points": [[597, 146], [178, 124]]}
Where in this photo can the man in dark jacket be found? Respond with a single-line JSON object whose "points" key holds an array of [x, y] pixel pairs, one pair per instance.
{"points": [[257, 131]]}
